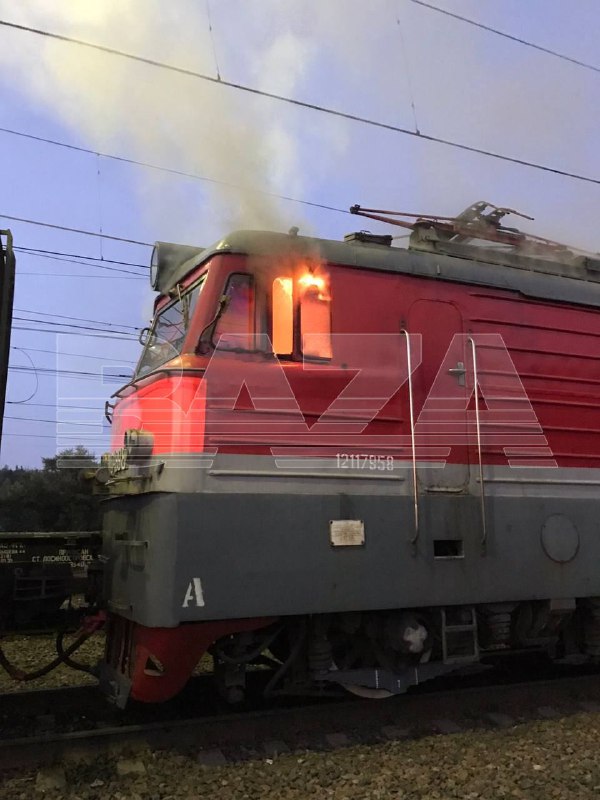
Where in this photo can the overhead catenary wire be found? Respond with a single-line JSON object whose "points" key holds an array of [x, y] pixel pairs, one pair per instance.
{"points": [[52, 323], [77, 319], [67, 372], [79, 275], [171, 170], [107, 359], [253, 90], [39, 435], [39, 250], [506, 35], [56, 406], [124, 337], [55, 421], [82, 263], [66, 228]]}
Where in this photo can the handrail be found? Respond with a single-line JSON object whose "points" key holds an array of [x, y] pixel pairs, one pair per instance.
{"points": [[415, 536], [154, 374], [483, 541]]}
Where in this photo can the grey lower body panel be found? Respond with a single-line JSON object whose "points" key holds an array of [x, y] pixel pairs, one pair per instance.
{"points": [[193, 556]]}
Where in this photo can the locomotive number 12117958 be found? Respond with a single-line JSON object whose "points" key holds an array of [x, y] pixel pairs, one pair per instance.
{"points": [[364, 461]]}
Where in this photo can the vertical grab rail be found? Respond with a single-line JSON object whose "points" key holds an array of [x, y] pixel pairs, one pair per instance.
{"points": [[415, 536], [483, 541]]}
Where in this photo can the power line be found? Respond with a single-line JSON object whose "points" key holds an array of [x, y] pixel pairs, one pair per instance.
{"points": [[53, 421], [39, 435], [58, 371], [84, 263], [295, 102], [73, 325], [79, 275], [77, 319], [108, 361], [52, 405], [74, 230], [36, 250], [170, 170], [510, 36], [123, 338], [67, 372]]}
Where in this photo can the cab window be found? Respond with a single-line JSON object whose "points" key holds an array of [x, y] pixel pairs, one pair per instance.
{"points": [[282, 315], [165, 340], [309, 293], [315, 318]]}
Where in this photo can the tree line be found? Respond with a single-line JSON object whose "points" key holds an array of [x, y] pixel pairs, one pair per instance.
{"points": [[53, 498]]}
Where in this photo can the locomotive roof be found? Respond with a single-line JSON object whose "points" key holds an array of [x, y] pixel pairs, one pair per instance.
{"points": [[575, 280]]}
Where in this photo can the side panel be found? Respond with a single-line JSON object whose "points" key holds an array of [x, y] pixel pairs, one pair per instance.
{"points": [[230, 555], [242, 538]]}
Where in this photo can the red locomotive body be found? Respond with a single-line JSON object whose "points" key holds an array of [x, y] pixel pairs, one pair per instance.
{"points": [[376, 463]]}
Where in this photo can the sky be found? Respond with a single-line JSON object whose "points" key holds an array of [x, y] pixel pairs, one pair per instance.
{"points": [[392, 61]]}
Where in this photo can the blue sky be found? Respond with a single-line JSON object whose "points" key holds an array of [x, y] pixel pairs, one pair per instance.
{"points": [[374, 59]]}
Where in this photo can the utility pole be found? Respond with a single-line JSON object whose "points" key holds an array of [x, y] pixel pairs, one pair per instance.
{"points": [[7, 290]]}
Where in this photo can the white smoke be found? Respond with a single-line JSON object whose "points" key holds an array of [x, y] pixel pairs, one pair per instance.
{"points": [[369, 59], [118, 105]]}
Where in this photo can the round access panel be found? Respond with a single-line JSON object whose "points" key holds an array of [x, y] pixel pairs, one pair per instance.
{"points": [[560, 538]]}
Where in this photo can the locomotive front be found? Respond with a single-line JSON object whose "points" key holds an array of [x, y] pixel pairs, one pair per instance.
{"points": [[187, 453]]}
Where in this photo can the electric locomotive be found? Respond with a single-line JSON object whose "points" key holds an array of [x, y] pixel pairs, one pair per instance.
{"points": [[358, 465]]}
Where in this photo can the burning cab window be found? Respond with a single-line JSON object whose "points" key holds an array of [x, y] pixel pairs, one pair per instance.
{"points": [[235, 328], [282, 315], [312, 295], [315, 317], [166, 337]]}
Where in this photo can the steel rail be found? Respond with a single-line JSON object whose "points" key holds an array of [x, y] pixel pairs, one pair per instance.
{"points": [[251, 734]]}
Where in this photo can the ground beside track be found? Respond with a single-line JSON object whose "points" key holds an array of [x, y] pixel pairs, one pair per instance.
{"points": [[538, 760], [31, 652], [531, 758]]}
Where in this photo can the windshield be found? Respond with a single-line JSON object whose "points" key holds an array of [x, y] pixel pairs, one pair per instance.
{"points": [[168, 332]]}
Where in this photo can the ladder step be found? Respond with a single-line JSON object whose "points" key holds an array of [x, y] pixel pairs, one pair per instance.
{"points": [[459, 641], [459, 628]]}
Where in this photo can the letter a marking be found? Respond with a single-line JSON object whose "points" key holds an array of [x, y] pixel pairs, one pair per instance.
{"points": [[194, 594]]}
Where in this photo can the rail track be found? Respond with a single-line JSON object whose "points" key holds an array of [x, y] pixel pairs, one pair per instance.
{"points": [[217, 738]]}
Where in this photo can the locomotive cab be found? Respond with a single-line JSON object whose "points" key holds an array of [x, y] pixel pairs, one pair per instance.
{"points": [[256, 298], [244, 305]]}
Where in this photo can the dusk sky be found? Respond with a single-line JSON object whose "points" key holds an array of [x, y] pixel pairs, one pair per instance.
{"points": [[397, 62]]}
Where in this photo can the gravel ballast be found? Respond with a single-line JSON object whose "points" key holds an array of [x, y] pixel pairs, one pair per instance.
{"points": [[539, 760], [29, 653]]}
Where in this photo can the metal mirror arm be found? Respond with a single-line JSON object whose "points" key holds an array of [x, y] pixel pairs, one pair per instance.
{"points": [[210, 326]]}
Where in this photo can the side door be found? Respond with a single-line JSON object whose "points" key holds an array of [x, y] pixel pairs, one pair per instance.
{"points": [[440, 398]]}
